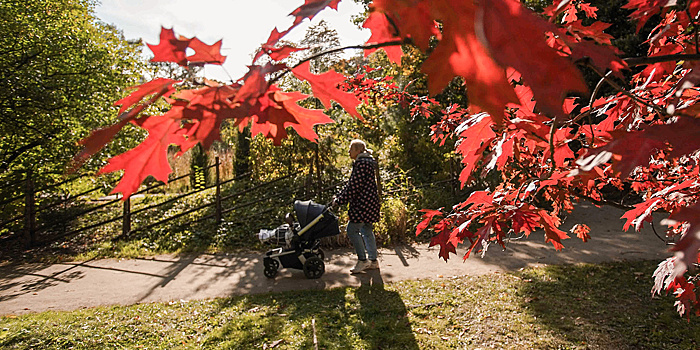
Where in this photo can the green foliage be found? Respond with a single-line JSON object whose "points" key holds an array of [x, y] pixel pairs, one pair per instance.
{"points": [[60, 72], [199, 168]]}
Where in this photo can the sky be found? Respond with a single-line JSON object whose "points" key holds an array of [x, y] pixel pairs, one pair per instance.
{"points": [[242, 24]]}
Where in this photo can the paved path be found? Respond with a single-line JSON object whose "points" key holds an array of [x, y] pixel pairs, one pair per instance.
{"points": [[29, 288]]}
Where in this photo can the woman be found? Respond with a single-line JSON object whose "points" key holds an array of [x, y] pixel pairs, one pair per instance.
{"points": [[361, 193]]}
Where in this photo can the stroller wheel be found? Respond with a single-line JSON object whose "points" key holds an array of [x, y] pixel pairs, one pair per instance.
{"points": [[319, 253], [271, 266], [314, 267]]}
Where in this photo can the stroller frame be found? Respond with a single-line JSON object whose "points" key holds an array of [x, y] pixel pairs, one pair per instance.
{"points": [[304, 252]]}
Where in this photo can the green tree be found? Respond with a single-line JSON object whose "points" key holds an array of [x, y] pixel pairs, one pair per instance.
{"points": [[61, 69]]}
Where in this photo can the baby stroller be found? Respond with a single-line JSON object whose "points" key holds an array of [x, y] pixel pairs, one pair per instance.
{"points": [[298, 243]]}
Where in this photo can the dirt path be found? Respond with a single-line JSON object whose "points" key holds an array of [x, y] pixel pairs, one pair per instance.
{"points": [[29, 288]]}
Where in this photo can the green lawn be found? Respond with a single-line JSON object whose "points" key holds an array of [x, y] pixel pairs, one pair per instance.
{"points": [[558, 307]]}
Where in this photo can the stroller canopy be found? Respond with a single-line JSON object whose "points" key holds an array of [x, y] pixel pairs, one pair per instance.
{"points": [[307, 211]]}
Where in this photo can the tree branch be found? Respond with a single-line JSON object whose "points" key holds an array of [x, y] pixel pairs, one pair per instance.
{"points": [[627, 93], [638, 61], [338, 49], [5, 164]]}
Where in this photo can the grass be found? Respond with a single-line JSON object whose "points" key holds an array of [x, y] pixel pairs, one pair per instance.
{"points": [[557, 307]]}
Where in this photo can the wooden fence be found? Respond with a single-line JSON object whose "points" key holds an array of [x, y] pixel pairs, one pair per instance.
{"points": [[28, 228]]}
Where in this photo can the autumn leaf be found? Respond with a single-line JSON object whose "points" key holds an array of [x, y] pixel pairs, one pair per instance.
{"points": [[255, 84], [325, 88], [688, 246], [473, 141], [148, 158], [481, 236], [170, 48], [159, 86], [311, 8], [428, 215], [275, 110], [645, 9], [552, 233], [382, 32], [581, 231], [631, 149], [204, 53], [101, 137], [206, 108], [412, 19], [549, 75]]}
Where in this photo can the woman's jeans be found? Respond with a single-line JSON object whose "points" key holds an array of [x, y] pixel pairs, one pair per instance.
{"points": [[362, 238]]}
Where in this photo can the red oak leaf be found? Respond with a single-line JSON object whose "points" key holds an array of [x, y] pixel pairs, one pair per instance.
{"points": [[325, 88], [525, 220], [429, 215], [255, 84], [100, 137], [581, 232], [687, 248], [645, 9], [552, 233], [603, 57], [474, 140], [588, 9], [481, 236], [276, 110], [383, 31], [549, 75], [594, 31], [460, 53], [207, 108], [311, 8], [694, 8], [443, 239], [640, 214], [148, 158], [632, 149], [161, 86], [272, 40], [280, 53], [412, 19], [170, 48], [204, 53]]}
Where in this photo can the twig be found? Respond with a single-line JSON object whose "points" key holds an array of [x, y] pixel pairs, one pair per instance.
{"points": [[313, 326], [657, 235], [439, 303], [627, 93]]}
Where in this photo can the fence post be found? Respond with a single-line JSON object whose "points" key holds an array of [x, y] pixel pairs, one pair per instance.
{"points": [[29, 212], [126, 218], [218, 193]]}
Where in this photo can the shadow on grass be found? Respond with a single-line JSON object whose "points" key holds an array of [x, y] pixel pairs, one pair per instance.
{"points": [[606, 306], [368, 317]]}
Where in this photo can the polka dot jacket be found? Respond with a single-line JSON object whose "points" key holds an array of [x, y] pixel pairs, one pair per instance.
{"points": [[361, 191]]}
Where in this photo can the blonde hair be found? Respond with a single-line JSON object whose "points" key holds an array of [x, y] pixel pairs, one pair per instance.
{"points": [[360, 146]]}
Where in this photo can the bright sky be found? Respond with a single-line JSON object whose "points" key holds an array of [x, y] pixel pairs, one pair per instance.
{"points": [[242, 24]]}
